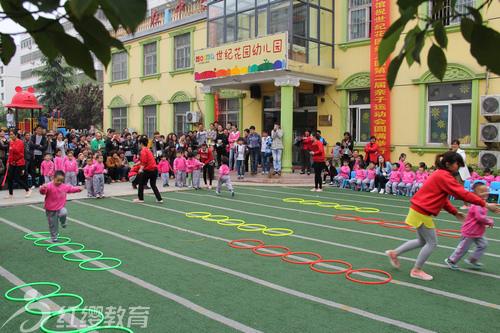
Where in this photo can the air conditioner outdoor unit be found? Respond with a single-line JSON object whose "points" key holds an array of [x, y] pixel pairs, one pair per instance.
{"points": [[489, 132], [193, 117], [490, 105], [489, 159]]}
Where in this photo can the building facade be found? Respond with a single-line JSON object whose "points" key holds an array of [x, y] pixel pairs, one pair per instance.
{"points": [[9, 79]]}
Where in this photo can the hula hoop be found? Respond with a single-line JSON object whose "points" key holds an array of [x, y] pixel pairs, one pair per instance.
{"points": [[36, 233], [330, 272], [290, 231], [26, 307], [300, 262], [368, 270], [90, 329], [64, 251], [241, 227], [296, 200], [99, 269], [231, 224], [49, 244], [346, 207], [271, 255], [246, 240], [328, 204], [82, 251], [191, 215], [310, 202], [27, 285], [387, 225], [217, 218], [362, 220], [367, 210], [409, 228], [46, 330], [449, 230], [350, 217]]}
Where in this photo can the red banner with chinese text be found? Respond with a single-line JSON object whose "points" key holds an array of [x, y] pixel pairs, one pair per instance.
{"points": [[216, 108], [380, 95]]}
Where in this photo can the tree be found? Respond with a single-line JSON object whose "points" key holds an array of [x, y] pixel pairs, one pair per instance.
{"points": [[55, 79], [484, 42], [44, 25], [82, 106]]}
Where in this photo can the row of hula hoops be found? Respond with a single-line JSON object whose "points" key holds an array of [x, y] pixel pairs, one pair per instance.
{"points": [[52, 314], [66, 254], [331, 205], [240, 224], [311, 263]]}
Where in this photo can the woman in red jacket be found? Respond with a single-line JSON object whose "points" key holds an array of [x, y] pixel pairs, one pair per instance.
{"points": [[304, 152], [429, 201], [16, 164], [318, 154], [371, 150]]}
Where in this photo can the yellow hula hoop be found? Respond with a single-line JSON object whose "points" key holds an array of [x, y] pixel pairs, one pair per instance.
{"points": [[254, 225], [215, 218], [192, 215], [328, 204], [310, 202], [346, 207], [265, 232], [297, 200], [223, 222], [367, 210]]}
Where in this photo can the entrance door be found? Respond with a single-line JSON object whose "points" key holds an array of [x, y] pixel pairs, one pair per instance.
{"points": [[302, 120]]}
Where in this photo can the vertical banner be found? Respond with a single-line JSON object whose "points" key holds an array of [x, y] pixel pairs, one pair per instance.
{"points": [[216, 108], [380, 95]]}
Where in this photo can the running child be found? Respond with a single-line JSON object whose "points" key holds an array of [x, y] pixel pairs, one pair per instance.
{"points": [[99, 170], [88, 172], [55, 199], [473, 231], [407, 179], [164, 170], [393, 180], [70, 169], [180, 170], [47, 168], [224, 177], [369, 182], [428, 202]]}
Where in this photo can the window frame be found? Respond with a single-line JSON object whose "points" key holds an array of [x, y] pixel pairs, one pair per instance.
{"points": [[181, 113], [186, 54], [350, 10], [172, 35], [123, 81], [121, 108], [144, 116], [470, 3], [450, 105], [143, 45]]}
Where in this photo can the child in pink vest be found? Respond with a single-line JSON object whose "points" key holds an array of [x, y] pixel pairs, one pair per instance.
{"points": [[369, 181], [393, 180], [407, 179], [343, 174], [359, 176], [164, 170], [420, 177], [47, 168], [180, 166]]}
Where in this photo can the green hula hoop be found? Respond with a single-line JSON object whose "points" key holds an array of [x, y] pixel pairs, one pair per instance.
{"points": [[82, 251], [328, 204], [296, 200], [28, 285], [256, 225], [90, 329], [216, 218], [367, 210], [310, 202], [46, 330], [27, 236], [195, 215], [99, 269], [49, 244], [224, 222], [26, 307], [346, 207], [64, 251], [265, 232]]}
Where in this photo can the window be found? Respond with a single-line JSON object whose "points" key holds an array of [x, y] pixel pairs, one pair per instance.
{"points": [[26, 43], [180, 125], [359, 19], [2, 96], [183, 51], [445, 13], [1, 69], [119, 118], [119, 67], [449, 112], [149, 120], [1, 83], [359, 122], [150, 59], [229, 110]]}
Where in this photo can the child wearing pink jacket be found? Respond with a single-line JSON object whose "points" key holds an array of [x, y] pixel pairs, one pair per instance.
{"points": [[164, 170], [369, 182], [70, 169], [224, 177], [88, 172], [488, 177], [58, 161], [420, 177], [47, 168], [197, 171], [394, 180], [55, 199], [180, 167], [343, 174], [407, 179], [359, 176]]}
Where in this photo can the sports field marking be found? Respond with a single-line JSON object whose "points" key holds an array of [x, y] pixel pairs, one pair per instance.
{"points": [[180, 300], [248, 277], [406, 284]]}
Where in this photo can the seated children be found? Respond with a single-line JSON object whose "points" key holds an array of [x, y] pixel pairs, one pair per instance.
{"points": [[488, 177], [329, 171], [344, 173], [407, 179], [393, 180], [369, 181], [360, 175], [420, 177]]}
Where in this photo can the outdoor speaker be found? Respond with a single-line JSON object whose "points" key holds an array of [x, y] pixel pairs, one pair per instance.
{"points": [[255, 92], [318, 89]]}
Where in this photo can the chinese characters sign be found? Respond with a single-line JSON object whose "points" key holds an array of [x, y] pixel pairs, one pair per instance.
{"points": [[380, 93], [250, 56]]}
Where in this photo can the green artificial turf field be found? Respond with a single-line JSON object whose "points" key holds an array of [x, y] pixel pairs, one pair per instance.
{"points": [[179, 274]]}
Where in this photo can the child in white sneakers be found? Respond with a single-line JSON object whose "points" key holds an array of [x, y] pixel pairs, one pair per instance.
{"points": [[224, 177]]}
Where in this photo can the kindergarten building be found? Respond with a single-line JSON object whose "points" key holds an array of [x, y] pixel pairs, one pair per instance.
{"points": [[304, 64]]}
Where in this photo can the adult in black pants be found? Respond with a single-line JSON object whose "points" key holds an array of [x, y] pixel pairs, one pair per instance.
{"points": [[383, 174], [16, 164], [347, 146], [207, 158], [318, 154], [149, 172], [38, 145], [221, 141]]}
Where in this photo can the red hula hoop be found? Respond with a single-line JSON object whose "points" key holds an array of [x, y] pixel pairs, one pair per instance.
{"points": [[246, 240], [330, 272], [271, 255], [360, 220], [300, 262], [354, 217], [409, 228], [368, 270], [391, 226], [451, 236]]}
